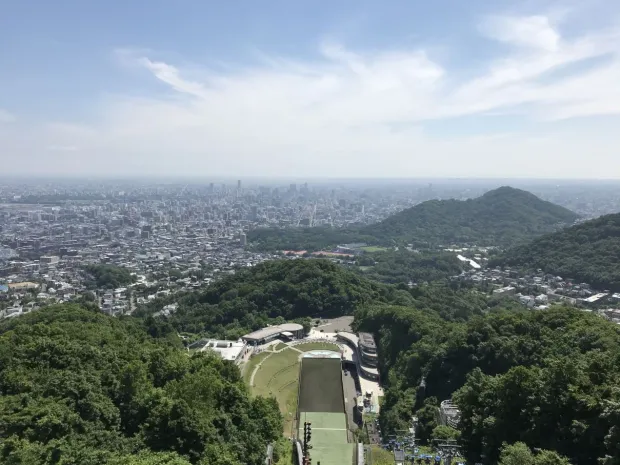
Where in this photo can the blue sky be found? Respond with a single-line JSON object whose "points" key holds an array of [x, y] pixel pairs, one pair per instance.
{"points": [[283, 88]]}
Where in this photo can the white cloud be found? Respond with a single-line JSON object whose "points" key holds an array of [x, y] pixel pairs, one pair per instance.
{"points": [[357, 113], [523, 31]]}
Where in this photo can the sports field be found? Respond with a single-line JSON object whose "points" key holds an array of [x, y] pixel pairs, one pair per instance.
{"points": [[278, 376], [321, 386], [372, 248]]}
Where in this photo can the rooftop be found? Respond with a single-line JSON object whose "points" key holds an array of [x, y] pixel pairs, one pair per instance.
{"points": [[368, 340], [228, 350], [274, 330]]}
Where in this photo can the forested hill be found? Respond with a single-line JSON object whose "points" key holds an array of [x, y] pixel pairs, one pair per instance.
{"points": [[588, 252], [504, 216], [549, 379], [284, 290], [274, 292], [501, 216], [78, 387]]}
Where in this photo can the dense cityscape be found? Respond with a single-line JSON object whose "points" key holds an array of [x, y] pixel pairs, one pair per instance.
{"points": [[178, 237]]}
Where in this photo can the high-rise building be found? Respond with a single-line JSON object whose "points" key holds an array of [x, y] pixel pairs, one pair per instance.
{"points": [[239, 184], [243, 240]]}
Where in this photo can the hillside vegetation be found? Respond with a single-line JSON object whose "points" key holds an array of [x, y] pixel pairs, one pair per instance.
{"points": [[283, 290], [270, 293], [79, 387], [108, 276], [547, 379], [504, 216], [588, 252], [404, 266], [501, 216]]}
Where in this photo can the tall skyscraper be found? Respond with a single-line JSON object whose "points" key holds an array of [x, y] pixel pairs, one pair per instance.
{"points": [[239, 184]]}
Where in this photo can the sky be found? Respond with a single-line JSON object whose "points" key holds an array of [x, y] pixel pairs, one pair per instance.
{"points": [[282, 88]]}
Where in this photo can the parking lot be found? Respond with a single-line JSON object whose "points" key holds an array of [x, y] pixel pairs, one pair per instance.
{"points": [[342, 323]]}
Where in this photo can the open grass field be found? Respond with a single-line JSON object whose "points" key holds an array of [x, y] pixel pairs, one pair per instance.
{"points": [[372, 248], [278, 377], [280, 346], [308, 346], [248, 368]]}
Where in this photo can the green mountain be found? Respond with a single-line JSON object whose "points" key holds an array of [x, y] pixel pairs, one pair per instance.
{"points": [[501, 216], [272, 293], [504, 216], [588, 252], [284, 290]]}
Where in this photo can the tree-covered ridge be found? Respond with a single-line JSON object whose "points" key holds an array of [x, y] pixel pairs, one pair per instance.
{"points": [[549, 379], [310, 239], [79, 387], [588, 252], [274, 292], [503, 216], [404, 266], [283, 290], [109, 276]]}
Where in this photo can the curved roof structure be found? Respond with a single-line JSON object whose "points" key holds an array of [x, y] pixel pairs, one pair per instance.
{"points": [[348, 337], [273, 331]]}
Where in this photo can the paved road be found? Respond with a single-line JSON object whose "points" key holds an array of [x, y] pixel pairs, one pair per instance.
{"points": [[350, 393]]}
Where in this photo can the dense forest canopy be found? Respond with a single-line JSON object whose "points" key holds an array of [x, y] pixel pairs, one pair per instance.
{"points": [[284, 290], [109, 276], [588, 252], [501, 216], [309, 239], [79, 387], [404, 266], [549, 379], [504, 216]]}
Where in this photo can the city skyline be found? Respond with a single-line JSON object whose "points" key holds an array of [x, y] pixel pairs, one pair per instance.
{"points": [[281, 91]]}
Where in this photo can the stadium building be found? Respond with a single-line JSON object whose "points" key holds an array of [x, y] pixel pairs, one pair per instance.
{"points": [[365, 347]]}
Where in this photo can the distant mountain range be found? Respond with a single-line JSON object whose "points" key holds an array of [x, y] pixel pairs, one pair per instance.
{"points": [[504, 217], [499, 217], [588, 252]]}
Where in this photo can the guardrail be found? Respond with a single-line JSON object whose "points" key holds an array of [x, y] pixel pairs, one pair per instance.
{"points": [[300, 454]]}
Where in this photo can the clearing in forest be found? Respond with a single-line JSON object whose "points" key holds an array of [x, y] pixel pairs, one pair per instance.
{"points": [[278, 376]]}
